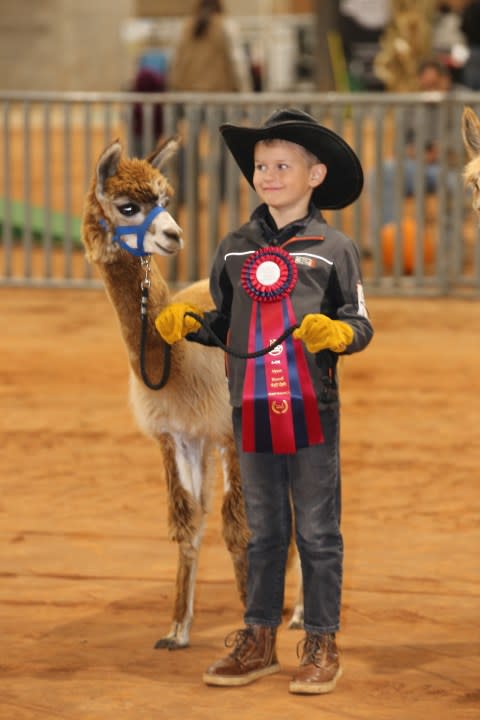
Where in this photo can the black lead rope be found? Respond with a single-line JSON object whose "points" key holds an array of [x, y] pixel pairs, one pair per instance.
{"points": [[235, 353], [167, 352], [143, 338]]}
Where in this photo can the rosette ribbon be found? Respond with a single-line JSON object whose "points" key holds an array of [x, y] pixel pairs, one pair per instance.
{"points": [[279, 406]]}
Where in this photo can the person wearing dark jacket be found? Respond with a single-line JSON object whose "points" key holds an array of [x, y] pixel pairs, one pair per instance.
{"points": [[147, 80], [470, 26], [285, 280]]}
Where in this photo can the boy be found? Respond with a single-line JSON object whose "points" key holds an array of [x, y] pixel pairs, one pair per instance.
{"points": [[286, 267]]}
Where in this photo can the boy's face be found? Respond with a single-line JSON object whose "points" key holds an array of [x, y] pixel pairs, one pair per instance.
{"points": [[285, 176]]}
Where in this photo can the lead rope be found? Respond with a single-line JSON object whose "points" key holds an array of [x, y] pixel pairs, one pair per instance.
{"points": [[145, 286], [235, 353]]}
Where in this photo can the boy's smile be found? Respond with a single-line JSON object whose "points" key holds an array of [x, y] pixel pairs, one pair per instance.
{"points": [[284, 178]]}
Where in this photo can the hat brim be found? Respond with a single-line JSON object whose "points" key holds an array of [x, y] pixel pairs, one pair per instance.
{"points": [[344, 180]]}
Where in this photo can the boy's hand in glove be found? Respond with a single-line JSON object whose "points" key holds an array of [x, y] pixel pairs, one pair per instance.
{"points": [[320, 332], [173, 325]]}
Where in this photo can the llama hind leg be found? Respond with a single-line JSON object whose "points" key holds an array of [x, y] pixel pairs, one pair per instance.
{"points": [[234, 521], [185, 473], [297, 616]]}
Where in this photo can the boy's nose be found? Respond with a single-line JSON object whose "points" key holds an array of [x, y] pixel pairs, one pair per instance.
{"points": [[269, 173]]}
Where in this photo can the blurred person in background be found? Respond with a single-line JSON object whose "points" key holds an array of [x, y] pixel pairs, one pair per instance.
{"points": [[361, 24], [432, 75], [209, 56], [448, 40], [147, 80], [470, 26]]}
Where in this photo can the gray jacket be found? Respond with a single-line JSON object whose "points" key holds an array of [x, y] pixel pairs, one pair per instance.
{"points": [[329, 281]]}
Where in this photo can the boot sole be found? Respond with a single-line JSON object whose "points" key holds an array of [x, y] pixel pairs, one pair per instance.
{"points": [[303, 687], [237, 680]]}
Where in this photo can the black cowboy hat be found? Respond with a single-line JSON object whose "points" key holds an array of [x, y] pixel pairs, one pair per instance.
{"points": [[344, 179]]}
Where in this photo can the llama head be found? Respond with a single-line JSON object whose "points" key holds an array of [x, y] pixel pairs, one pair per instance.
{"points": [[471, 140], [126, 206]]}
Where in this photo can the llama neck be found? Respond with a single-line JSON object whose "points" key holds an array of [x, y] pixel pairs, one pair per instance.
{"points": [[122, 282]]}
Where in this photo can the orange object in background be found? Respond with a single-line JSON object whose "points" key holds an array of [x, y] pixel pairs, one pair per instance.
{"points": [[407, 236]]}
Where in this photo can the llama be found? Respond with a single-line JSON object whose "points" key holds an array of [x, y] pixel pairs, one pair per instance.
{"points": [[471, 140], [190, 417]]}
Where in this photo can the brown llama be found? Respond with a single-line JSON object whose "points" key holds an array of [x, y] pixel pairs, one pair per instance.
{"points": [[190, 417], [471, 140]]}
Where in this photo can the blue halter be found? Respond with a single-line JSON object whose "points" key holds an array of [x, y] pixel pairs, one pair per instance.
{"points": [[138, 230]]}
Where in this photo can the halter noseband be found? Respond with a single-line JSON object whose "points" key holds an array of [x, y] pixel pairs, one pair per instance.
{"points": [[138, 230]]}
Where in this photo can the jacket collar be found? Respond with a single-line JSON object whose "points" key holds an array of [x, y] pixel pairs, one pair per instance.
{"points": [[272, 235]]}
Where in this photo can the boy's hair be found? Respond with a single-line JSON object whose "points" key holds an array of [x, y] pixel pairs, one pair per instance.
{"points": [[310, 157]]}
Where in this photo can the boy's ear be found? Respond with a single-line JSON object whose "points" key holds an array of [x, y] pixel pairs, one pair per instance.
{"points": [[318, 174]]}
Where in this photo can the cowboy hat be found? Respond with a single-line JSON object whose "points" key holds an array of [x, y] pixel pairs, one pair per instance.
{"points": [[344, 180]]}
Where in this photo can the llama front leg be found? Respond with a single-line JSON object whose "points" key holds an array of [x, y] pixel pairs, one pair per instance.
{"points": [[234, 521], [185, 474], [296, 620]]}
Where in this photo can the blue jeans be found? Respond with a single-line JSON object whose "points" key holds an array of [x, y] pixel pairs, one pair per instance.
{"points": [[310, 482]]}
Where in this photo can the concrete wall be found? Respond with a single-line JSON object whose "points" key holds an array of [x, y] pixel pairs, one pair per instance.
{"points": [[78, 44], [62, 44], [158, 8]]}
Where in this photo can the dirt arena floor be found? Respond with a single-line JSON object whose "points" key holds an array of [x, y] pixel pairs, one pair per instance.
{"points": [[87, 570]]}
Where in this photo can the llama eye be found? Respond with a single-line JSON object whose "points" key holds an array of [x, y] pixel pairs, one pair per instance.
{"points": [[129, 209]]}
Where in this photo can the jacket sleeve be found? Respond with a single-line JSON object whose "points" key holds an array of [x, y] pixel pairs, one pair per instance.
{"points": [[218, 320], [347, 297]]}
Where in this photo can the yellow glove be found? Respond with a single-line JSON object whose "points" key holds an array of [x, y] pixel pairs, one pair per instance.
{"points": [[320, 332], [172, 323]]}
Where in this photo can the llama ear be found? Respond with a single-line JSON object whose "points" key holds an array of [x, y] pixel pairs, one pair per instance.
{"points": [[107, 165], [163, 152], [471, 132]]}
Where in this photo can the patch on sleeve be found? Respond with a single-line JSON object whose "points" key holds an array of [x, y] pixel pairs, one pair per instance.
{"points": [[308, 261], [362, 308]]}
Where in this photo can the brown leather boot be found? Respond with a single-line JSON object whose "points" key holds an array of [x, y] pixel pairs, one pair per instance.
{"points": [[319, 666], [252, 657]]}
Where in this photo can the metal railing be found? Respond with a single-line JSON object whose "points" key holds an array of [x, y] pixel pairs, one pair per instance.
{"points": [[50, 143]]}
